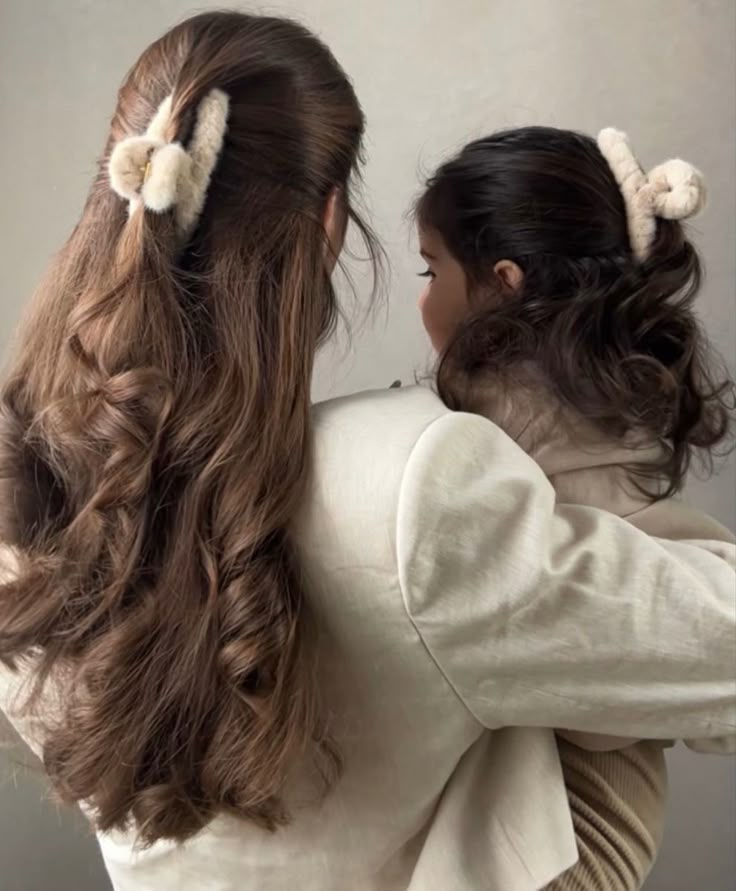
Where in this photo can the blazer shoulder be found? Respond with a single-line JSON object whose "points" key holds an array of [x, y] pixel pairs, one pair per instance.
{"points": [[393, 412]]}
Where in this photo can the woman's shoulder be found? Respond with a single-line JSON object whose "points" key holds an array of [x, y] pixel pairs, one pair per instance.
{"points": [[379, 414], [361, 446], [395, 460], [373, 437]]}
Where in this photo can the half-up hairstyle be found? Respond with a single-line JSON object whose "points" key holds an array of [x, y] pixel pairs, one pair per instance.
{"points": [[613, 333], [154, 447]]}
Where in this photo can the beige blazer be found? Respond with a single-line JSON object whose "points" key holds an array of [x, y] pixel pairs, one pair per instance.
{"points": [[453, 600]]}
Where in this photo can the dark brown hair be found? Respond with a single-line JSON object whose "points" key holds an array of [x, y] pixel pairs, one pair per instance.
{"points": [[616, 339], [154, 448]]}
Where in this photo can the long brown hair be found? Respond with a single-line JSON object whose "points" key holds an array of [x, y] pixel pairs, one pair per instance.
{"points": [[616, 339], [154, 445]]}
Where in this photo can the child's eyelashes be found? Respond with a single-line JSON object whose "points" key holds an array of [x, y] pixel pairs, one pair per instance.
{"points": [[426, 274]]}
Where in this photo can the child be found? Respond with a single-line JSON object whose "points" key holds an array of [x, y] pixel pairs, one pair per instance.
{"points": [[560, 299]]}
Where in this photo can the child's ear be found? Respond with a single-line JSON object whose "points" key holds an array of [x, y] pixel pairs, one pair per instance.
{"points": [[509, 274]]}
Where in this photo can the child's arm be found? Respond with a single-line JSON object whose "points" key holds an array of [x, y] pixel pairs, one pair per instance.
{"points": [[559, 616], [674, 520]]}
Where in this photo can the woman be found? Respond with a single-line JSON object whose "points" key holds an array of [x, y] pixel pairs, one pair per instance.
{"points": [[217, 597]]}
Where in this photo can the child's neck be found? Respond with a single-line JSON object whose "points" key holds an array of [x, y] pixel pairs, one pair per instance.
{"points": [[576, 456]]}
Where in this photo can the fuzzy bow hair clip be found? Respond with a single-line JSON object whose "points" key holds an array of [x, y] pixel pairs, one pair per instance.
{"points": [[151, 172]]}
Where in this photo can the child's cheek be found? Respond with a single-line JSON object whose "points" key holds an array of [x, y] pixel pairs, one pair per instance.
{"points": [[435, 324], [422, 302]]}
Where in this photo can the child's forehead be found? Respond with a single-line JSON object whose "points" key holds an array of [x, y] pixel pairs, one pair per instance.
{"points": [[431, 242]]}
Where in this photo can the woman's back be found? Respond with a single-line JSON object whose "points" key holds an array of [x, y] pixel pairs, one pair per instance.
{"points": [[415, 757]]}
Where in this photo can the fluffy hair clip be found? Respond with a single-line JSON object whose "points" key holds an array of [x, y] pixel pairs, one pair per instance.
{"points": [[673, 191], [151, 172]]}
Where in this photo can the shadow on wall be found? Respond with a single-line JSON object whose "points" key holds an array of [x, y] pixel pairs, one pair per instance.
{"points": [[67, 857]]}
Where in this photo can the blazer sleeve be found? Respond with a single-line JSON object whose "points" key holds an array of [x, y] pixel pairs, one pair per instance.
{"points": [[541, 614]]}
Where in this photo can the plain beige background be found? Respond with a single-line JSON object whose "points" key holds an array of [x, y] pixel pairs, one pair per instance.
{"points": [[430, 74]]}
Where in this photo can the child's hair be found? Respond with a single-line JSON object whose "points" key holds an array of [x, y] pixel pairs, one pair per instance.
{"points": [[614, 335], [154, 443]]}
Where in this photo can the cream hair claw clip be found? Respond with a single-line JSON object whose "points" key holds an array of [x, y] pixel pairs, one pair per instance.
{"points": [[674, 190], [151, 172]]}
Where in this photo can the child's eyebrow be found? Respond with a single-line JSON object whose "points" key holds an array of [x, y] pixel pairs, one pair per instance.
{"points": [[426, 254]]}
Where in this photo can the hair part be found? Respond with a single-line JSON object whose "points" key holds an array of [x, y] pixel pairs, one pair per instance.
{"points": [[617, 339], [155, 446]]}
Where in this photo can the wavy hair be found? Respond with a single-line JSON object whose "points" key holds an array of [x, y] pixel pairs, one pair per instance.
{"points": [[616, 339], [155, 443]]}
